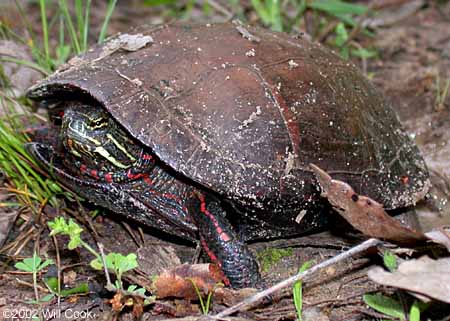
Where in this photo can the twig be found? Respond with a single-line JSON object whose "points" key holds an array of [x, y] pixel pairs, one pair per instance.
{"points": [[109, 285], [288, 282]]}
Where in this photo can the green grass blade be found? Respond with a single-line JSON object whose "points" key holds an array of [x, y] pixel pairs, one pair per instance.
{"points": [[275, 13], [25, 63], [44, 29], [73, 34], [297, 291], [261, 11], [80, 19], [109, 12], [85, 35], [337, 7]]}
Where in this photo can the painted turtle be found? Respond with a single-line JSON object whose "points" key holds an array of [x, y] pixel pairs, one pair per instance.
{"points": [[207, 131]]}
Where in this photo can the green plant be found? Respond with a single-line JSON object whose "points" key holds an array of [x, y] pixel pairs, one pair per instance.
{"points": [[34, 265], [347, 48], [117, 263], [60, 226], [274, 13], [204, 305], [297, 291], [393, 308]]}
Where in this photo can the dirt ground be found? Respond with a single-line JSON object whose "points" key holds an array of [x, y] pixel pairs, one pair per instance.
{"points": [[413, 53]]}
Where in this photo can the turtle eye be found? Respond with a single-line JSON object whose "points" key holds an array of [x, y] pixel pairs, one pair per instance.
{"points": [[99, 123]]}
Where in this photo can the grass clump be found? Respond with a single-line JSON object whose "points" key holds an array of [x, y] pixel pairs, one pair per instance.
{"points": [[70, 21], [25, 178]]}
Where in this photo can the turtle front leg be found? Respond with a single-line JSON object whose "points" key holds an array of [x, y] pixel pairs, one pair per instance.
{"points": [[222, 244]]}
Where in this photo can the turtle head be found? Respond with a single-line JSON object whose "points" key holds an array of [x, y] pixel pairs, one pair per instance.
{"points": [[89, 133]]}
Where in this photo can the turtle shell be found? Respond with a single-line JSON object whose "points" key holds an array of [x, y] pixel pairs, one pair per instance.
{"points": [[244, 111]]}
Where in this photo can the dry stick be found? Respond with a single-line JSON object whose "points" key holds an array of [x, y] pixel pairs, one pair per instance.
{"points": [[58, 266], [288, 282], [109, 285]]}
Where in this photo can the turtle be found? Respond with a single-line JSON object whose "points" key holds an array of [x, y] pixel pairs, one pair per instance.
{"points": [[206, 132]]}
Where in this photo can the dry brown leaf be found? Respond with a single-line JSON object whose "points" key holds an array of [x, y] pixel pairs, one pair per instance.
{"points": [[441, 236], [424, 276], [177, 282], [363, 213]]}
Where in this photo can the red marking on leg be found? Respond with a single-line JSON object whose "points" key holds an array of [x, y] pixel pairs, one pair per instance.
{"points": [[109, 178], [94, 173], [225, 237], [148, 180], [147, 156], [83, 169], [213, 258], [132, 176], [222, 235]]}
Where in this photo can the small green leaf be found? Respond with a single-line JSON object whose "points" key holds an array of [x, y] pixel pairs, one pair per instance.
{"points": [[116, 262], [44, 264], [60, 226], [127, 263], [74, 242], [414, 312], [23, 267], [132, 287], [385, 305], [390, 260], [341, 34]]}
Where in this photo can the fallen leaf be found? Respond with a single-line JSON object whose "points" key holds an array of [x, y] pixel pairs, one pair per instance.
{"points": [[441, 236], [178, 281], [423, 276], [363, 213]]}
